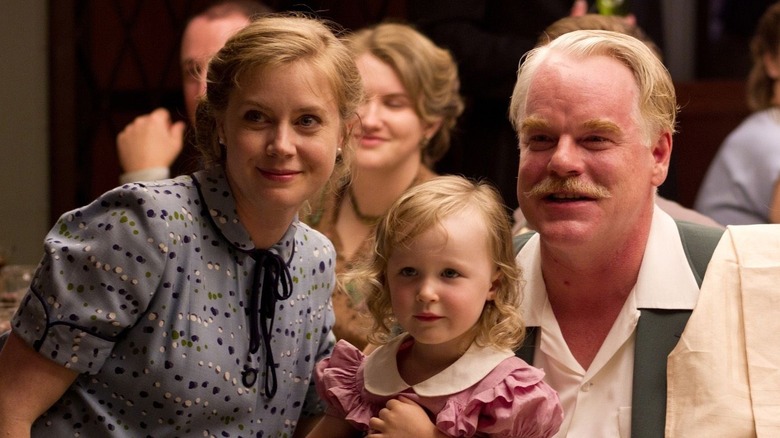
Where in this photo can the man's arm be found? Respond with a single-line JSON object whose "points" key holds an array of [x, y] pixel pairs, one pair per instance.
{"points": [[151, 141]]}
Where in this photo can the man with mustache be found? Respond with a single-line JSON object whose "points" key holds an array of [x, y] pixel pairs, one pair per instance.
{"points": [[628, 26], [610, 278]]}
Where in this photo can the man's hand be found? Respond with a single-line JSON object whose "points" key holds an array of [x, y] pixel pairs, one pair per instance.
{"points": [[402, 418], [150, 141], [579, 8]]}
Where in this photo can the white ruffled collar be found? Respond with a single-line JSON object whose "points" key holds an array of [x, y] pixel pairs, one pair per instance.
{"points": [[381, 376]]}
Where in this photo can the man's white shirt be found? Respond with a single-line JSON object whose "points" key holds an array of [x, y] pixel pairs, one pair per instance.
{"points": [[597, 402]]}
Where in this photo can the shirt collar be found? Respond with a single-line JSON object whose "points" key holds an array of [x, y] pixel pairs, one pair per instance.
{"points": [[665, 279], [218, 199], [382, 378]]}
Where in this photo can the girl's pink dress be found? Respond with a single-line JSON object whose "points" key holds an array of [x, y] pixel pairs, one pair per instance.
{"points": [[486, 392]]}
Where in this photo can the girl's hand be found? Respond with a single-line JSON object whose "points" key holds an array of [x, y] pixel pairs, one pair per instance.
{"points": [[402, 418]]}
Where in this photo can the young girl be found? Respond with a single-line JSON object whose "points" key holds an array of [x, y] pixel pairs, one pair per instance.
{"points": [[443, 272]]}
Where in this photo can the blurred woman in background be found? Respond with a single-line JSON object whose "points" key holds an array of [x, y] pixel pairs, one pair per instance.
{"points": [[412, 104]]}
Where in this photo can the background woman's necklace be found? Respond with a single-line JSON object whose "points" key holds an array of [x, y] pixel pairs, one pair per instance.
{"points": [[366, 219]]}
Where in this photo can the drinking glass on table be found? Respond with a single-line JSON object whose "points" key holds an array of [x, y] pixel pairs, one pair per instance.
{"points": [[14, 281]]}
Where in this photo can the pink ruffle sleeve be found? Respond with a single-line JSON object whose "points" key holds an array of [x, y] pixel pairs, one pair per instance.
{"points": [[340, 385], [519, 405]]}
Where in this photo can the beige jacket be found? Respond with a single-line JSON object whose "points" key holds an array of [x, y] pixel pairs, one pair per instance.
{"points": [[724, 374]]}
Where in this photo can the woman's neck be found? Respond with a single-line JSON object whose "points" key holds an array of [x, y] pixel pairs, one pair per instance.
{"points": [[776, 93], [370, 195], [375, 190], [264, 225], [265, 233]]}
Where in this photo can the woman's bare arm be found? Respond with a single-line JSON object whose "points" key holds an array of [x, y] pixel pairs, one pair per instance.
{"points": [[332, 427], [29, 384]]}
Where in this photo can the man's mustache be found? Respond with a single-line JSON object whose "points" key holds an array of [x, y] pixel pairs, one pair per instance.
{"points": [[552, 185]]}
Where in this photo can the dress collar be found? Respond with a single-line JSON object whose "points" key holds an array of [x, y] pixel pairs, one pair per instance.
{"points": [[382, 378], [218, 199], [665, 280]]}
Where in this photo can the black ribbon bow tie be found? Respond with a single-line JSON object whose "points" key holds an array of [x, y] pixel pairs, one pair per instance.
{"points": [[272, 282]]}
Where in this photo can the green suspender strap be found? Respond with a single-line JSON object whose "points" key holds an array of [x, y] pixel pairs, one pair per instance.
{"points": [[657, 333]]}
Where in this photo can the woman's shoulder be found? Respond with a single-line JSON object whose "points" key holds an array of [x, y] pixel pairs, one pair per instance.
{"points": [[135, 208], [758, 129], [145, 195]]}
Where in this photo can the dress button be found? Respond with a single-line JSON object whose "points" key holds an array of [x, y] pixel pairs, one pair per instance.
{"points": [[586, 386]]}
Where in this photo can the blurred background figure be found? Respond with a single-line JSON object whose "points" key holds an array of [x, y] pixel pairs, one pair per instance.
{"points": [[152, 146], [412, 104], [742, 184]]}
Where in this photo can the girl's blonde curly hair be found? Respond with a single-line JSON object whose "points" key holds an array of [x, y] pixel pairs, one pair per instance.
{"points": [[417, 210]]}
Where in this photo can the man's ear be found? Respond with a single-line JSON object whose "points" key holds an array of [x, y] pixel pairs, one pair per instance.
{"points": [[662, 153]]}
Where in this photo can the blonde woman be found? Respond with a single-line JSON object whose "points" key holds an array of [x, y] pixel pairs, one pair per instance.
{"points": [[197, 306]]}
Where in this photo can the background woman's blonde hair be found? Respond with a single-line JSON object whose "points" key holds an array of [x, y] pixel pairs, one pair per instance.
{"points": [[766, 41], [427, 72], [272, 41], [656, 110], [421, 208]]}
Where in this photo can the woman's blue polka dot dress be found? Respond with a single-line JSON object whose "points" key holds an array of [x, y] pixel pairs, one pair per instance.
{"points": [[147, 293]]}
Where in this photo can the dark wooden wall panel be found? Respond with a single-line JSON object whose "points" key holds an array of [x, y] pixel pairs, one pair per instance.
{"points": [[709, 111], [62, 92]]}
